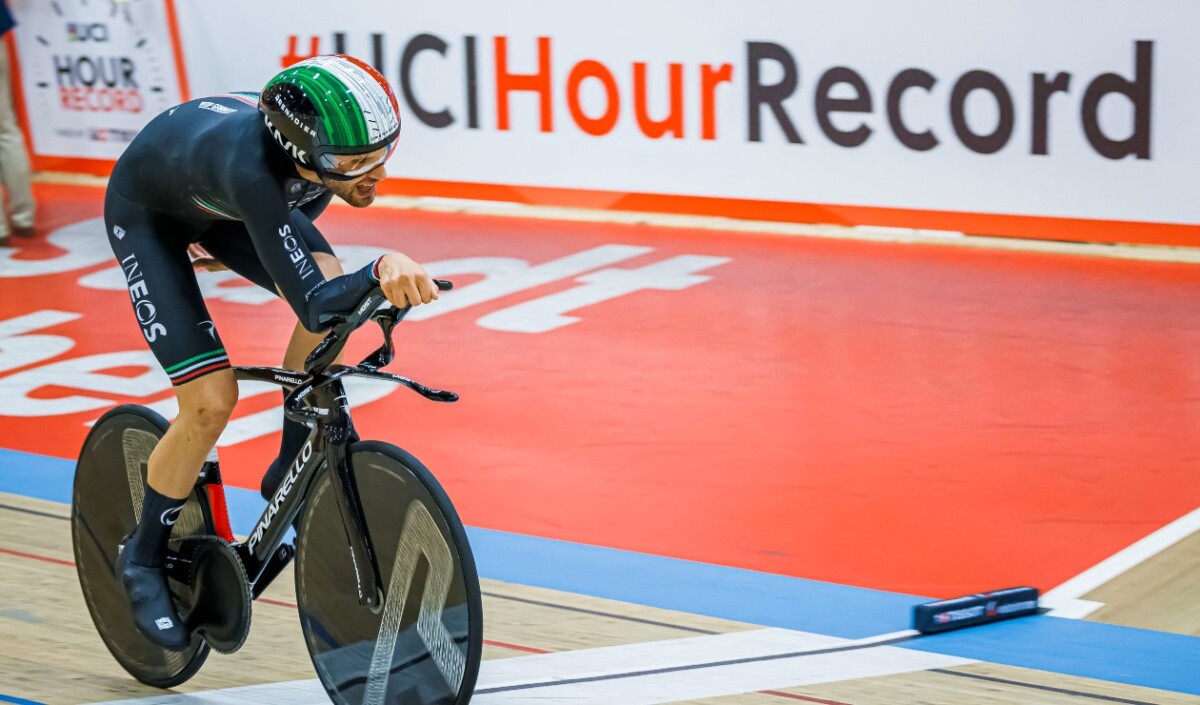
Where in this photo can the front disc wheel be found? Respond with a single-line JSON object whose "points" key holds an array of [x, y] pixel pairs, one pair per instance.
{"points": [[424, 644]]}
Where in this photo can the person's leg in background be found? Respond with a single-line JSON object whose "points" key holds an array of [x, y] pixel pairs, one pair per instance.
{"points": [[5, 139], [14, 160]]}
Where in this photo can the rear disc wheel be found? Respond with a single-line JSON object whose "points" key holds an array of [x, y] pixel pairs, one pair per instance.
{"points": [[110, 482]]}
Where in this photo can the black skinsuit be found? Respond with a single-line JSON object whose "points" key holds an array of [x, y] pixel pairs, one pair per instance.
{"points": [[208, 172]]}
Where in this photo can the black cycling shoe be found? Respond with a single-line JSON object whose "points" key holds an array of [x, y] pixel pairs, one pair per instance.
{"points": [[150, 601]]}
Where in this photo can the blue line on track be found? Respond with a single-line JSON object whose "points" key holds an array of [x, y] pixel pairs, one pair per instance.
{"points": [[19, 701], [1073, 647]]}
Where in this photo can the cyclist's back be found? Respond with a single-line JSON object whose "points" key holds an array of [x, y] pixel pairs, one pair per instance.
{"points": [[198, 161]]}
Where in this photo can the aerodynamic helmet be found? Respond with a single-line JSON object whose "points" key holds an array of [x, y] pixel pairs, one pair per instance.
{"points": [[328, 106]]}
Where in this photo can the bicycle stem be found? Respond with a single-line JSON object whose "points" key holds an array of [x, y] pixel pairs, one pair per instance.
{"points": [[341, 325]]}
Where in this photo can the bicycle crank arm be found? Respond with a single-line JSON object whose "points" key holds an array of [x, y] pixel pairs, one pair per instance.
{"points": [[177, 567]]}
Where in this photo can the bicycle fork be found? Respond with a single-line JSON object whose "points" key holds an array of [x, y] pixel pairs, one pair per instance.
{"points": [[340, 434]]}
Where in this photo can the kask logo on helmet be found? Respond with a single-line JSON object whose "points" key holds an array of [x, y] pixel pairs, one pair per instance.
{"points": [[298, 154]]}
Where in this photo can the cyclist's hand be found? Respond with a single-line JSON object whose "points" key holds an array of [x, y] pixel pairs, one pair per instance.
{"points": [[404, 282], [201, 259]]}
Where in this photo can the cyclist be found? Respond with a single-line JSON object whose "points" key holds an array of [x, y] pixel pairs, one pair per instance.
{"points": [[242, 176]]}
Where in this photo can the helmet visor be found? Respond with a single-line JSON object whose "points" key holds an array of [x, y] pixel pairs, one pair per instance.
{"points": [[347, 167]]}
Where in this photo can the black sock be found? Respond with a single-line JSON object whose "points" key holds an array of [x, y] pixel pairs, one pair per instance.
{"points": [[148, 545], [294, 435]]}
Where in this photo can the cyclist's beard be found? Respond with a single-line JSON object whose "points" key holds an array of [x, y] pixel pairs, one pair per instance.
{"points": [[360, 193]]}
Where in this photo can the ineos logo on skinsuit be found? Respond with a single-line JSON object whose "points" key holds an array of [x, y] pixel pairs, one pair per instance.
{"points": [[146, 313], [303, 264], [139, 293]]}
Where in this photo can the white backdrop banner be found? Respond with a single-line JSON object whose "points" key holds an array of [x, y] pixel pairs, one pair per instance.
{"points": [[93, 73], [1063, 109]]}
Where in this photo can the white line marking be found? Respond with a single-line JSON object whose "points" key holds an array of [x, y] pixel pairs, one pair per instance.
{"points": [[527, 676], [695, 654], [908, 232], [1119, 563], [307, 692], [1069, 608]]}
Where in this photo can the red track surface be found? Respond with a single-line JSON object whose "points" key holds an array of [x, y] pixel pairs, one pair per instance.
{"points": [[923, 419]]}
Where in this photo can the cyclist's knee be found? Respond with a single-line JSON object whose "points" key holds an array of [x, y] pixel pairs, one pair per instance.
{"points": [[207, 403], [330, 266]]}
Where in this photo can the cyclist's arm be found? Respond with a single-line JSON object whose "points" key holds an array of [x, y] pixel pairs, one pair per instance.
{"points": [[275, 233]]}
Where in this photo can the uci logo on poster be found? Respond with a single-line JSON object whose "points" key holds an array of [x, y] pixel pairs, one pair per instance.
{"points": [[87, 32]]}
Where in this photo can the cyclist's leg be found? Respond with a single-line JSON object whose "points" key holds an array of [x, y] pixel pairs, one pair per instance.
{"points": [[205, 405], [172, 316], [229, 243]]}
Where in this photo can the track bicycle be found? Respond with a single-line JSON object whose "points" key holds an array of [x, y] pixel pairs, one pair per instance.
{"points": [[386, 586]]}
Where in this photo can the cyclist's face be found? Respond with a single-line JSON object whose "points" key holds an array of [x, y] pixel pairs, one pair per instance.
{"points": [[360, 190]]}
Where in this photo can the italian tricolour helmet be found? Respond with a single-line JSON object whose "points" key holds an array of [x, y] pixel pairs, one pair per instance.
{"points": [[325, 108]]}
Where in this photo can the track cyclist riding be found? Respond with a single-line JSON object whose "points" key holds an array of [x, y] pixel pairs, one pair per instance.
{"points": [[244, 177], [235, 181]]}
